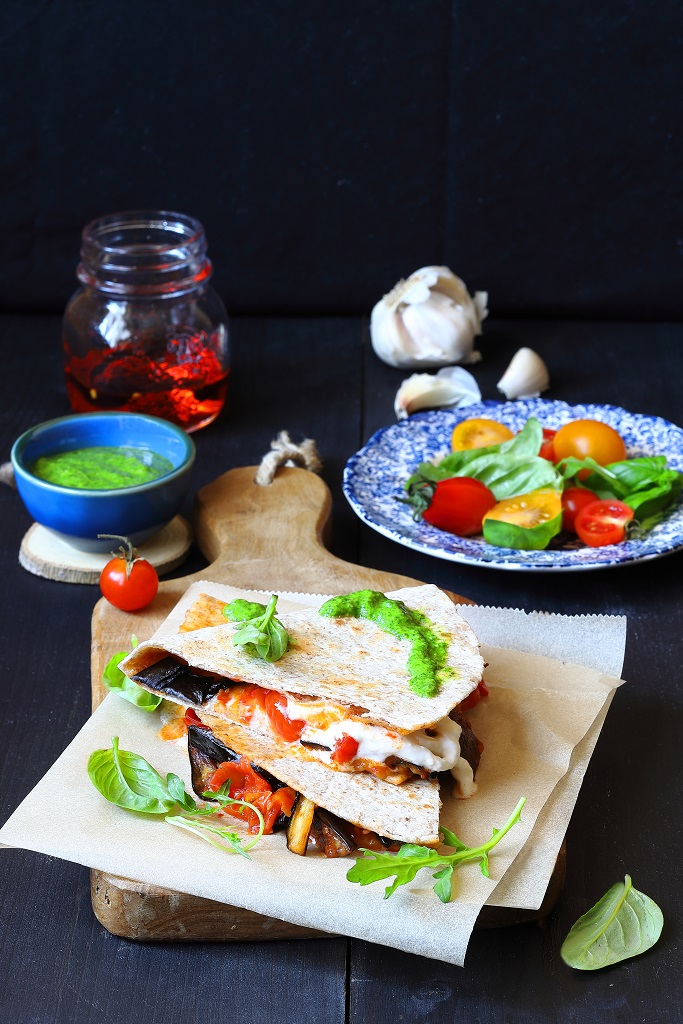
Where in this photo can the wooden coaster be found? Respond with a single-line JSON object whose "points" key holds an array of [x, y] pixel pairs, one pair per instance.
{"points": [[45, 554]]}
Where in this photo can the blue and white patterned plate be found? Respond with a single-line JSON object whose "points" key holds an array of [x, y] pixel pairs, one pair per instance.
{"points": [[374, 478]]}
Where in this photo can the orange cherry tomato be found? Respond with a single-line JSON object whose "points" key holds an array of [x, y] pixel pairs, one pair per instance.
{"points": [[582, 439], [129, 582], [479, 433]]}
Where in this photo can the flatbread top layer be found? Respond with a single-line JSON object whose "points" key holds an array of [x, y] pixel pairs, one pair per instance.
{"points": [[346, 660]]}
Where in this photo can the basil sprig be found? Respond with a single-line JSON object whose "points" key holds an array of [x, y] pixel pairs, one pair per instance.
{"points": [[262, 635], [644, 483], [622, 924], [118, 682], [129, 781], [410, 859]]}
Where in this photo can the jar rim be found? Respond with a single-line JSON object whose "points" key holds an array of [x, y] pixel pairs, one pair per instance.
{"points": [[192, 229]]}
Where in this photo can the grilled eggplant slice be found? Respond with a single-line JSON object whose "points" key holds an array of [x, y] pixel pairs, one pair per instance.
{"points": [[330, 835], [300, 825], [172, 678], [206, 753]]}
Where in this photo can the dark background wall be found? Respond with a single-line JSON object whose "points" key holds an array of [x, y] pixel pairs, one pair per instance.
{"points": [[329, 149]]}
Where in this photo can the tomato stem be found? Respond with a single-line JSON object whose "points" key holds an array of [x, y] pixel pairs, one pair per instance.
{"points": [[126, 551]]}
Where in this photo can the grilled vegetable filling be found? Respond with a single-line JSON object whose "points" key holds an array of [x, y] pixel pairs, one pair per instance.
{"points": [[213, 764], [332, 733]]}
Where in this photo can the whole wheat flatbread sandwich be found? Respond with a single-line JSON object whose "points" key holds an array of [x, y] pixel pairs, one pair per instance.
{"points": [[336, 718]]}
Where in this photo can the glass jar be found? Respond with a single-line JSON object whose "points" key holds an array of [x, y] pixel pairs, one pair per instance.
{"points": [[145, 332]]}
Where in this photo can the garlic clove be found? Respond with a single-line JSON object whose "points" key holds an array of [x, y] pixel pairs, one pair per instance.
{"points": [[525, 377], [428, 320], [448, 388]]}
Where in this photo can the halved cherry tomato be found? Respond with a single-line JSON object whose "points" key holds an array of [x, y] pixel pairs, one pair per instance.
{"points": [[276, 709], [589, 438], [603, 522], [573, 500], [345, 749], [459, 504], [547, 447], [479, 433]]}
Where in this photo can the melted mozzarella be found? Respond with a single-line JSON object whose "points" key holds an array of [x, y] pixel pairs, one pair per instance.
{"points": [[438, 753]]}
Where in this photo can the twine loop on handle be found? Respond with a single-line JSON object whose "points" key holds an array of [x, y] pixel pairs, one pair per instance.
{"points": [[283, 452]]}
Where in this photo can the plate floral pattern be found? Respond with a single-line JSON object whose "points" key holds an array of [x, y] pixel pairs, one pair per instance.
{"points": [[374, 479]]}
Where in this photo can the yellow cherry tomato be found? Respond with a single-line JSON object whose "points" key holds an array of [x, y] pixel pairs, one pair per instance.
{"points": [[479, 434], [582, 439]]}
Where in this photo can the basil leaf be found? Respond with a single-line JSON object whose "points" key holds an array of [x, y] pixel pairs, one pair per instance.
{"points": [[262, 635], [118, 682], [127, 780], [624, 923], [176, 788]]}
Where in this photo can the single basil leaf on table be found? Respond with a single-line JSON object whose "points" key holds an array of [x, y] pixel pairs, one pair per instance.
{"points": [[624, 923], [127, 780]]}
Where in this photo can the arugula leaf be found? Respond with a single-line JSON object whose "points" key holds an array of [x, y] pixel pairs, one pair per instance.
{"points": [[129, 781], [118, 682], [262, 635], [410, 858], [624, 923]]}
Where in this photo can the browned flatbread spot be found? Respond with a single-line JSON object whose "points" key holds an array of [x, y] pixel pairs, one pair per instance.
{"points": [[206, 611]]}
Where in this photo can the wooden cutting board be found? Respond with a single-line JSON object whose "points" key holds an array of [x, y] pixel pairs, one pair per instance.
{"points": [[259, 538]]}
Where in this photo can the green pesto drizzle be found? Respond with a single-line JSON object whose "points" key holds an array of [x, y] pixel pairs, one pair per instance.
{"points": [[428, 654], [240, 610], [101, 468]]}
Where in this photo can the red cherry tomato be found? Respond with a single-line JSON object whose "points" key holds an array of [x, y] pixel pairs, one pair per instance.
{"points": [[547, 447], [459, 505], [276, 709], [129, 582], [573, 500], [589, 438], [603, 522], [345, 749]]}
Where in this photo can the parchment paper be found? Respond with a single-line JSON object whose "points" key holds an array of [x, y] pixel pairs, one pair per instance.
{"points": [[539, 727]]}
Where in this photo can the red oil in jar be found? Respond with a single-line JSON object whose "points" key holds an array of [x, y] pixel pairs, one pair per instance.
{"points": [[145, 333]]}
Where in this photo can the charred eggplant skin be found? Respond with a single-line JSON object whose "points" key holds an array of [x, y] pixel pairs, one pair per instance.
{"points": [[206, 753], [172, 678]]}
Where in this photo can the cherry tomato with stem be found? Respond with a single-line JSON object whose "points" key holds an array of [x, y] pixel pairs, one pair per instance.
{"points": [[603, 522], [128, 582], [459, 505], [573, 500]]}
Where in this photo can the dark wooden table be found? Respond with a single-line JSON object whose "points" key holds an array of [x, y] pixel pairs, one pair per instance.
{"points": [[320, 378]]}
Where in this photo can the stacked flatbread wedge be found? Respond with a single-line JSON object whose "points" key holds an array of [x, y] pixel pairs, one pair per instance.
{"points": [[340, 677]]}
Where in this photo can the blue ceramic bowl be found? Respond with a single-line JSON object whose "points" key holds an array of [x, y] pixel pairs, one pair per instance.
{"points": [[78, 516]]}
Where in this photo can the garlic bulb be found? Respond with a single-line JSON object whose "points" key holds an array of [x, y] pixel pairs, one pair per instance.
{"points": [[525, 377], [427, 321], [448, 388]]}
